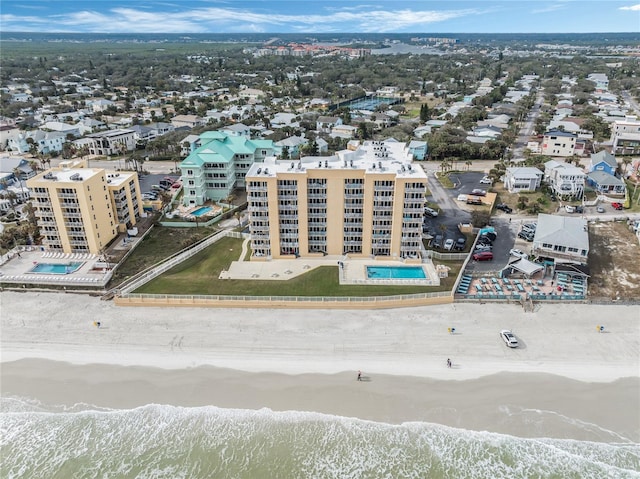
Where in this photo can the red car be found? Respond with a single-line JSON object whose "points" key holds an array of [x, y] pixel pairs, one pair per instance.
{"points": [[616, 206], [483, 256]]}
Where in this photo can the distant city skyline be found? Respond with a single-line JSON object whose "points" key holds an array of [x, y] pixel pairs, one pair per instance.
{"points": [[311, 16]]}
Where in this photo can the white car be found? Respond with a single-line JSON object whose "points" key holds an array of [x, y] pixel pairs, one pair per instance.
{"points": [[448, 245], [570, 209], [509, 338], [518, 253], [486, 181], [430, 212]]}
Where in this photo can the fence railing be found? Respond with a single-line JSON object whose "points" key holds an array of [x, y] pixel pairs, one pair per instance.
{"points": [[157, 269]]}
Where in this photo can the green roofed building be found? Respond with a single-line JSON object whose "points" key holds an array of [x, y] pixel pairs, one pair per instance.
{"points": [[219, 165]]}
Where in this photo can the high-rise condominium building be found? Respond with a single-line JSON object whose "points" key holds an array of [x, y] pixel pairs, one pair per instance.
{"points": [[364, 203], [81, 210]]}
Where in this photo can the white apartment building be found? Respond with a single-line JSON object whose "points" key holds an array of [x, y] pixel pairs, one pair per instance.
{"points": [[564, 178]]}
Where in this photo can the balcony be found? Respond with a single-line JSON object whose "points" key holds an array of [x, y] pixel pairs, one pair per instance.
{"points": [[253, 208], [72, 196], [353, 196], [384, 188], [287, 197], [252, 188], [288, 207], [78, 243], [71, 215]]}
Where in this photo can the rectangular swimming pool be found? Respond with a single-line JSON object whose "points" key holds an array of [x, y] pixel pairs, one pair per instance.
{"points": [[201, 211], [53, 268], [395, 272]]}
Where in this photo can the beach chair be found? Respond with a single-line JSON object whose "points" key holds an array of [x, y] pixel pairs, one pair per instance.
{"points": [[498, 288], [540, 282], [506, 281], [494, 280], [484, 280], [520, 288], [509, 287]]}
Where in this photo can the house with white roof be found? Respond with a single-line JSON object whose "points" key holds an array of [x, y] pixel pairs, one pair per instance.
{"points": [[563, 238], [564, 179], [519, 179]]}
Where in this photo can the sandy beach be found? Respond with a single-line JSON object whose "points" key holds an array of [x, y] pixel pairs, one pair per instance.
{"points": [[308, 361]]}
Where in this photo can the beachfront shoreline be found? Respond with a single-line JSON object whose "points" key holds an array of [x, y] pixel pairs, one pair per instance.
{"points": [[308, 360], [523, 405]]}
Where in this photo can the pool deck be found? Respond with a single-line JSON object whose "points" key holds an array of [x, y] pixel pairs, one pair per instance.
{"points": [[353, 271], [17, 269]]}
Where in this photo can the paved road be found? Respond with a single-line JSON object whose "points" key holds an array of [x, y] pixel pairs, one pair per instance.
{"points": [[631, 101], [527, 128]]}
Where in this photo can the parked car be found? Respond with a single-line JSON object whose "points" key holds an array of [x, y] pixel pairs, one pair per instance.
{"points": [[486, 181], [479, 192], [518, 253], [430, 212], [504, 207], [480, 248], [529, 227], [437, 241], [616, 206], [600, 209], [509, 338], [579, 209], [448, 244], [461, 242], [570, 209], [526, 235], [483, 256], [474, 200]]}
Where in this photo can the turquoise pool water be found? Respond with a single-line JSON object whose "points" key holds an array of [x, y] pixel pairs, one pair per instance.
{"points": [[395, 272], [51, 268], [201, 211]]}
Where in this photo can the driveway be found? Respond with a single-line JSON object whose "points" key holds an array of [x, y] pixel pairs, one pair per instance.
{"points": [[506, 232]]}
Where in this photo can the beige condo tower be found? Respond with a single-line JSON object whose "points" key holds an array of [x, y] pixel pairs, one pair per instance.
{"points": [[363, 203], [81, 210]]}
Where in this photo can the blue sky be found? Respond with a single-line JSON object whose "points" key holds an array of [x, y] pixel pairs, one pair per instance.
{"points": [[311, 16]]}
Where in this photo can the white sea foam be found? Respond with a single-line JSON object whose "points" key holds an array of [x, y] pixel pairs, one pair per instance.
{"points": [[172, 442]]}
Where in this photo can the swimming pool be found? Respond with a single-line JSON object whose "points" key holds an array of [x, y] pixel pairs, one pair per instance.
{"points": [[54, 268], [395, 272], [201, 211]]}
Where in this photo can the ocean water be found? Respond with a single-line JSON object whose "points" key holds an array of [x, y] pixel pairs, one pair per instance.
{"points": [[160, 441]]}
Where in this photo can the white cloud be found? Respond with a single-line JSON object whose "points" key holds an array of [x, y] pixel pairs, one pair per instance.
{"points": [[634, 8], [227, 19], [550, 8]]}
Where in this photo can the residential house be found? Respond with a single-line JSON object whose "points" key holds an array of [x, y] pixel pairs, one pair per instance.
{"points": [[112, 142], [237, 129], [215, 168], [562, 238], [190, 121], [90, 125], [10, 166], [600, 79], [520, 179], [283, 119], [100, 105], [323, 146], [487, 131], [418, 149], [61, 127], [160, 128], [558, 143], [603, 161], [606, 183], [324, 124], [188, 144], [251, 94], [293, 144], [344, 131], [44, 141], [626, 136], [564, 179]]}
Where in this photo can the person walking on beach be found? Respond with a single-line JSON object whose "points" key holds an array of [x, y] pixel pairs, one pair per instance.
{"points": [[448, 362], [359, 375]]}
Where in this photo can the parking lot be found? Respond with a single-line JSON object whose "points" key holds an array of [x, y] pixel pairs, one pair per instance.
{"points": [[147, 181]]}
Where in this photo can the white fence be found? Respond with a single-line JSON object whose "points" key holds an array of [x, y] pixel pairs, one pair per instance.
{"points": [[156, 270]]}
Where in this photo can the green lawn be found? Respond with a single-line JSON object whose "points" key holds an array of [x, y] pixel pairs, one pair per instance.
{"points": [[199, 275], [159, 244]]}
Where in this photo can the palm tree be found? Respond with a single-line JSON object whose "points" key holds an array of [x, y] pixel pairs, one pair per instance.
{"points": [[443, 229], [18, 175], [468, 163]]}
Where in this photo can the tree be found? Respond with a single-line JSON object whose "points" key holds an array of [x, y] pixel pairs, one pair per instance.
{"points": [[424, 113], [522, 202], [363, 132], [285, 153], [443, 229]]}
